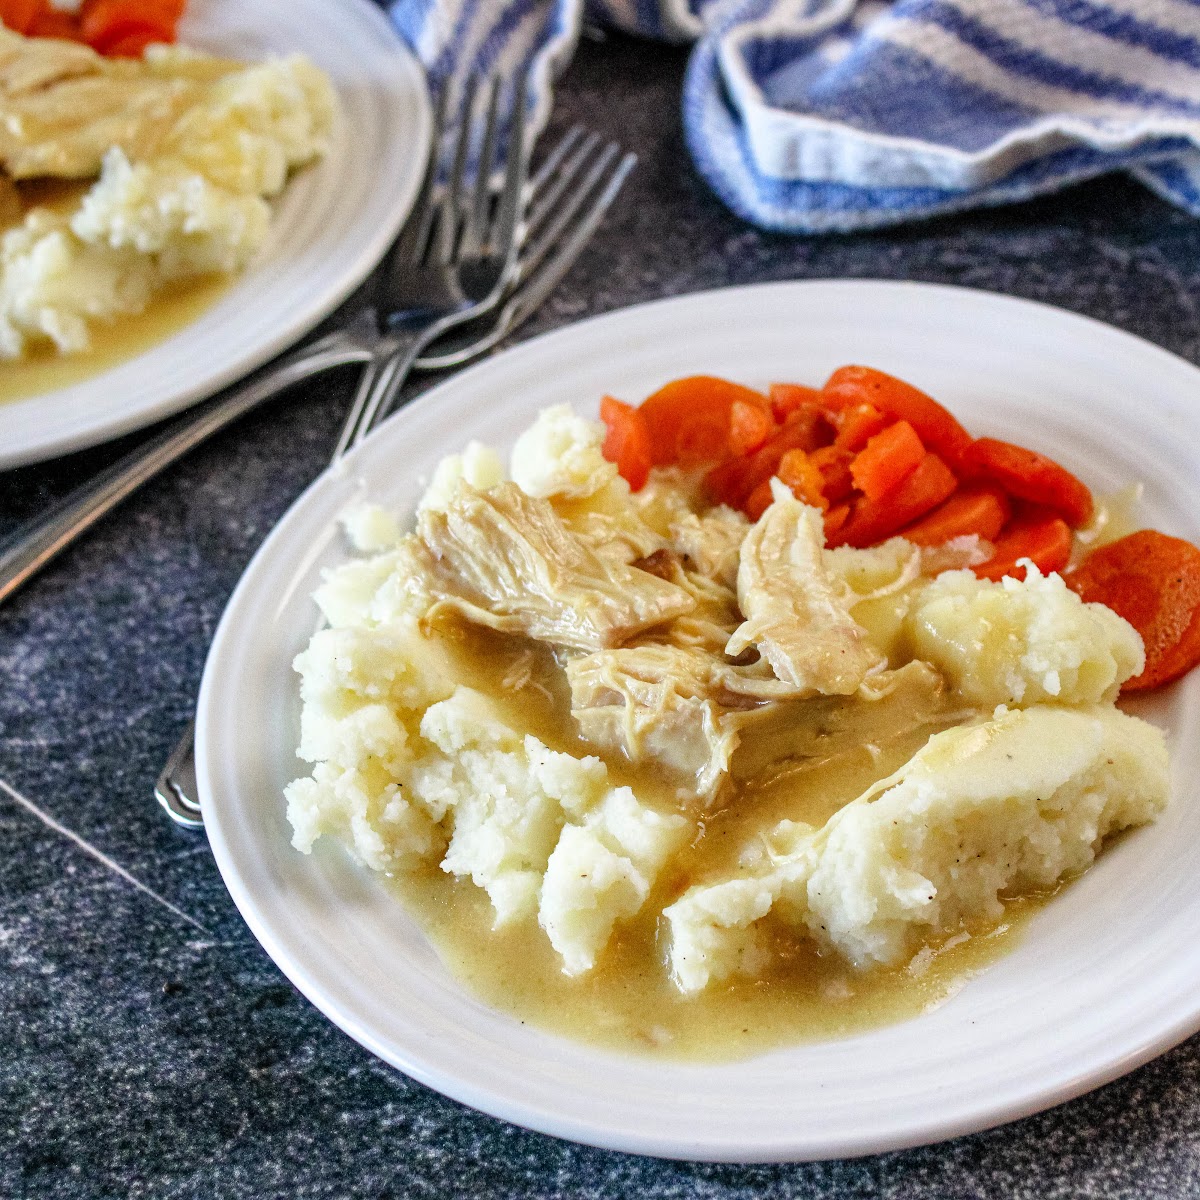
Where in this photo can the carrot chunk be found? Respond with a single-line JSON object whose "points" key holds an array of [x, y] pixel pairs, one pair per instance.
{"points": [[51, 23], [887, 460], [758, 501], [936, 427], [732, 482], [976, 510], [787, 397], [857, 425], [688, 419], [1042, 537], [872, 520], [1153, 581], [1031, 476], [798, 472], [749, 427], [20, 15], [105, 24], [834, 464], [835, 519], [627, 442]]}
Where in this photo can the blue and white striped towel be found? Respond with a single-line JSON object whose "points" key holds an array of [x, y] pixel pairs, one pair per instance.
{"points": [[809, 116]]}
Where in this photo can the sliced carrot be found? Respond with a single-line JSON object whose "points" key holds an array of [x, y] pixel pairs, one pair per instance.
{"points": [[976, 510], [759, 500], [133, 45], [1031, 476], [873, 520], [628, 441], [787, 397], [732, 482], [749, 427], [834, 464], [51, 23], [835, 520], [20, 15], [1040, 536], [935, 426], [1153, 581], [887, 460], [858, 424], [688, 419], [798, 472], [108, 23]]}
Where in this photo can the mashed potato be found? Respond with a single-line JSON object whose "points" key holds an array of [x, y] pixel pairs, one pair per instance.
{"points": [[197, 204], [578, 830]]}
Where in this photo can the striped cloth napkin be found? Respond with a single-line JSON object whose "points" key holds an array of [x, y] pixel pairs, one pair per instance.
{"points": [[808, 116]]}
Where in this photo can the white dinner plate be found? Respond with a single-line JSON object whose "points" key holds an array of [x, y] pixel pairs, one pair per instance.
{"points": [[331, 225], [1106, 976]]}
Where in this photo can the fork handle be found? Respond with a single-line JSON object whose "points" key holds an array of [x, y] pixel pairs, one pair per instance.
{"points": [[35, 543]]}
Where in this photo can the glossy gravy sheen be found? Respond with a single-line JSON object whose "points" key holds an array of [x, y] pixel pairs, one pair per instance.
{"points": [[627, 1001], [45, 370]]}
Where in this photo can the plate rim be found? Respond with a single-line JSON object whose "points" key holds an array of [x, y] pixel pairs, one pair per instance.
{"points": [[35, 449], [984, 1114]]}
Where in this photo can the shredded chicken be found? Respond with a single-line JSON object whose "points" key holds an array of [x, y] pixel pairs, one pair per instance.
{"points": [[508, 561], [795, 614], [63, 106]]}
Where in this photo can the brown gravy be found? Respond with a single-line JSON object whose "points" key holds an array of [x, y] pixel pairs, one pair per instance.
{"points": [[627, 1002], [45, 370]]}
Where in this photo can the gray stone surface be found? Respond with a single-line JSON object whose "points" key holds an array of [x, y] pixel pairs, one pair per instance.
{"points": [[140, 1056]]}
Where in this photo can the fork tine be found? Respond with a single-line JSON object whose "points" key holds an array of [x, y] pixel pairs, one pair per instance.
{"points": [[567, 172], [421, 222], [504, 231], [559, 220], [448, 208], [477, 210], [550, 163]]}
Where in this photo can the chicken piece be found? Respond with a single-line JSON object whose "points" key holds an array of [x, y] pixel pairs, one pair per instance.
{"points": [[667, 704], [795, 614], [63, 106], [508, 561], [710, 545], [887, 706], [703, 719]]}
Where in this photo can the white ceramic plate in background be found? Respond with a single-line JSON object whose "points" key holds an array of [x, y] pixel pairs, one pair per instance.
{"points": [[332, 224], [1106, 977]]}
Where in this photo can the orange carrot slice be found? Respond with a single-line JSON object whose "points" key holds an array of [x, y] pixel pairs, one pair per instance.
{"points": [[732, 482], [20, 15], [749, 427], [872, 520], [835, 520], [105, 24], [977, 510], [51, 23], [887, 460], [688, 419], [1031, 476], [798, 472], [1153, 581], [857, 425], [1042, 537], [787, 397], [627, 442], [758, 501], [834, 464], [935, 426]]}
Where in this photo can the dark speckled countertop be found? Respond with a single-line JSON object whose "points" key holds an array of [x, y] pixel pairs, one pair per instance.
{"points": [[142, 1057]]}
